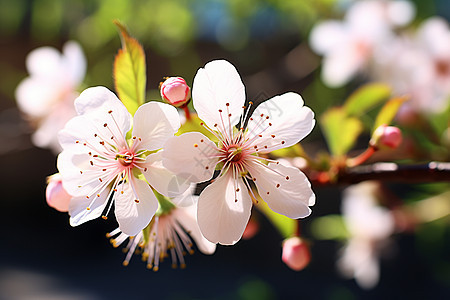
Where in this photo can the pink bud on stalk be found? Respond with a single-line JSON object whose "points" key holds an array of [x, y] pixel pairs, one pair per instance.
{"points": [[56, 195], [386, 137], [296, 253], [175, 91]]}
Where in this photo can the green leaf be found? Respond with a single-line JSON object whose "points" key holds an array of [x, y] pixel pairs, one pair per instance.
{"points": [[286, 226], [331, 227], [340, 130], [129, 71], [366, 97], [388, 111]]}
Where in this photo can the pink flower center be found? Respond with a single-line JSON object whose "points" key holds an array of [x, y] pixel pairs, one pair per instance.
{"points": [[125, 158], [234, 153]]}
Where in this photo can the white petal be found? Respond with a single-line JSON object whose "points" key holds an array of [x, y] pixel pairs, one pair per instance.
{"points": [[221, 218], [326, 35], [101, 106], [342, 65], [161, 179], [75, 62], [78, 211], [132, 216], [187, 217], [155, 123], [191, 155], [215, 85], [285, 121], [36, 96], [400, 12], [187, 198], [44, 62], [286, 190]]}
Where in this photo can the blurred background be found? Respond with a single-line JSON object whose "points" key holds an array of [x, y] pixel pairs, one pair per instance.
{"points": [[42, 257]]}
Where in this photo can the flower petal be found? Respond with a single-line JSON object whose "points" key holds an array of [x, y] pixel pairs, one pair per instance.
{"points": [[78, 211], [280, 122], [161, 179], [44, 62], [75, 62], [155, 123], [286, 190], [221, 218], [187, 198], [191, 155], [105, 114], [326, 35], [215, 85], [187, 217], [131, 215]]}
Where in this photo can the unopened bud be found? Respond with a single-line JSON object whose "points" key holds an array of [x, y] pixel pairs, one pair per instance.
{"points": [[296, 253], [56, 195], [175, 91], [386, 137], [251, 230]]}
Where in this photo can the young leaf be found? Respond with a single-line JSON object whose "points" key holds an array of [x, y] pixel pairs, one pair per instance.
{"points": [[366, 97], [129, 71], [388, 111], [340, 130]]}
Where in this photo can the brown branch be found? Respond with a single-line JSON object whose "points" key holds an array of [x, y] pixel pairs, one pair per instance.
{"points": [[392, 172]]}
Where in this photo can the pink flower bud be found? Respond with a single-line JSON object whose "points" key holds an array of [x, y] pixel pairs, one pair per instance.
{"points": [[386, 137], [56, 195], [175, 91], [296, 253], [251, 230]]}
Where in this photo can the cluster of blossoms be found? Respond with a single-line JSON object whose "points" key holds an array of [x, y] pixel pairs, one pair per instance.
{"points": [[135, 164], [373, 39]]}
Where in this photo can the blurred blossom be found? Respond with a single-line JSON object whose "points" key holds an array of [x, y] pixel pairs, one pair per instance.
{"points": [[296, 254], [349, 45], [418, 64], [56, 195], [169, 233], [46, 96], [369, 226]]}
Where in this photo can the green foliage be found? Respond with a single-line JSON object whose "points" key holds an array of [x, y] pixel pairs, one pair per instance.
{"points": [[331, 227], [388, 111], [130, 71], [366, 98], [341, 131]]}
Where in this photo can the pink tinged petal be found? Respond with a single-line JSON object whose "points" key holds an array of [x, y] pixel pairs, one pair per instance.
{"points": [[280, 122], [187, 217], [191, 155], [75, 62], [326, 35], [135, 207], [154, 124], [221, 218], [286, 190], [400, 12], [161, 179], [215, 85], [78, 211]]}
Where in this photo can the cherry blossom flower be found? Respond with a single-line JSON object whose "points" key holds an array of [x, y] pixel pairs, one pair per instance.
{"points": [[170, 233], [175, 91], [224, 206], [100, 166], [296, 254], [46, 96], [348, 46], [419, 65], [370, 227]]}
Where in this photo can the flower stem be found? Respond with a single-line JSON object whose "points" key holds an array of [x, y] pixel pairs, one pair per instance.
{"points": [[356, 161], [187, 113]]}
